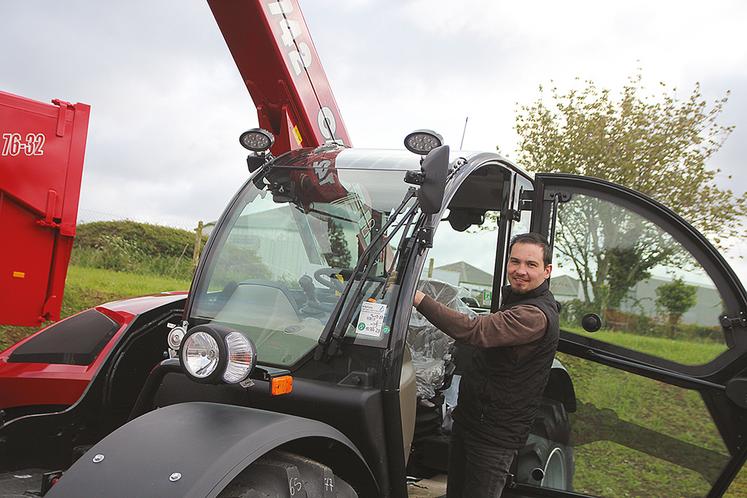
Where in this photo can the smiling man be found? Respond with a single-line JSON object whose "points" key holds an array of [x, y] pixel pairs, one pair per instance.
{"points": [[500, 393]]}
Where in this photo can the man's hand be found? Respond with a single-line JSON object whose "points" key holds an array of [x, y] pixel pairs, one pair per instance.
{"points": [[418, 297]]}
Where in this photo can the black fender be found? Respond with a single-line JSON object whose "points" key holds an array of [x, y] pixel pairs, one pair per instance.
{"points": [[560, 386], [195, 450]]}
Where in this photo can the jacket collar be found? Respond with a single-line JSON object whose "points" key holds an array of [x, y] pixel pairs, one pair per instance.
{"points": [[510, 297]]}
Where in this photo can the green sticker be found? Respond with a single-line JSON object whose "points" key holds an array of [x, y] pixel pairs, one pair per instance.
{"points": [[361, 326], [385, 329]]}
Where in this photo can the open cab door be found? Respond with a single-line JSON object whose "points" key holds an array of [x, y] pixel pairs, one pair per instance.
{"points": [[661, 387]]}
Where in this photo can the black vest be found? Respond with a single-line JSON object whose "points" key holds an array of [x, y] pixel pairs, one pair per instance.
{"points": [[499, 394]]}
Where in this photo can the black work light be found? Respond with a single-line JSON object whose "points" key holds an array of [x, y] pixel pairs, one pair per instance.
{"points": [[423, 141], [257, 140]]}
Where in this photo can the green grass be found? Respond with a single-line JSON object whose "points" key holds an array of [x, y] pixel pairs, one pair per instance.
{"points": [[88, 287], [690, 352], [634, 436]]}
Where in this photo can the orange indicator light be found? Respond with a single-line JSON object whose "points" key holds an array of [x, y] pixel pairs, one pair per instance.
{"points": [[281, 385]]}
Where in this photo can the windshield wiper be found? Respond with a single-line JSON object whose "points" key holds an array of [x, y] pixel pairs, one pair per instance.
{"points": [[331, 334]]}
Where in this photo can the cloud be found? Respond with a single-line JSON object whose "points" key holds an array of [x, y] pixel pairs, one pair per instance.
{"points": [[168, 103]]}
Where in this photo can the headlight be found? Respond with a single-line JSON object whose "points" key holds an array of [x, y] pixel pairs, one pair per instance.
{"points": [[214, 354], [241, 358]]}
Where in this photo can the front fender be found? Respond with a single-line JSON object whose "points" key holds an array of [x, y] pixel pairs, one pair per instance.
{"points": [[208, 444]]}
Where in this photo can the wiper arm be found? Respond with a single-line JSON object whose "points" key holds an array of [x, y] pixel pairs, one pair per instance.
{"points": [[345, 316], [327, 336]]}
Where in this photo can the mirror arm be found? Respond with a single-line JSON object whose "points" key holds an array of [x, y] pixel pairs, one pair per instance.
{"points": [[415, 177]]}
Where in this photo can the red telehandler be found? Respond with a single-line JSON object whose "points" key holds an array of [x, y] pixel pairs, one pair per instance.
{"points": [[295, 365]]}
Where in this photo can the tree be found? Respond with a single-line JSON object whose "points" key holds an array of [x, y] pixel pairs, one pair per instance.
{"points": [[676, 298], [655, 145], [339, 255], [658, 145]]}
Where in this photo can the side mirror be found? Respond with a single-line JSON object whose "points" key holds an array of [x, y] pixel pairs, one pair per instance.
{"points": [[435, 168]]}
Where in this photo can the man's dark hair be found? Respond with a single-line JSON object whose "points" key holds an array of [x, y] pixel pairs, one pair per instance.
{"points": [[537, 240]]}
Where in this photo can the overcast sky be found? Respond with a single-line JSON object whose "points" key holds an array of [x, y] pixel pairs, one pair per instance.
{"points": [[168, 103]]}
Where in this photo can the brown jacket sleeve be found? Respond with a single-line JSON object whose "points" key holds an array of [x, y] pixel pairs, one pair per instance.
{"points": [[519, 324]]}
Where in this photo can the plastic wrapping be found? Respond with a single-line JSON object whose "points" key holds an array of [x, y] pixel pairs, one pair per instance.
{"points": [[430, 347]]}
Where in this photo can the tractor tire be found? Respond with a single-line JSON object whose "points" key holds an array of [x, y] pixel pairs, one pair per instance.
{"points": [[286, 475], [547, 458]]}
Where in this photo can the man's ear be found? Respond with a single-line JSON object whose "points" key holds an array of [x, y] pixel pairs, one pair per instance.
{"points": [[548, 271]]}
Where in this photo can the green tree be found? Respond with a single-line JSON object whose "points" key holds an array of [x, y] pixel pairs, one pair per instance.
{"points": [[675, 298], [655, 144], [339, 255]]}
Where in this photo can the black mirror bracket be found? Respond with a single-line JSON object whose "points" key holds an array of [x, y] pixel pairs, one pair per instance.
{"points": [[424, 236], [255, 160], [414, 177]]}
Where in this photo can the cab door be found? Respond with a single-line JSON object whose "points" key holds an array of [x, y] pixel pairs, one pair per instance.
{"points": [[661, 387]]}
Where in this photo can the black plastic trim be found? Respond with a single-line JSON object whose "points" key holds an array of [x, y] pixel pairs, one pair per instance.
{"points": [[208, 444]]}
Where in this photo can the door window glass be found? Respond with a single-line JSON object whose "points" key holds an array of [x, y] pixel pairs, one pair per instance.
{"points": [[622, 447], [738, 487], [652, 295], [466, 258]]}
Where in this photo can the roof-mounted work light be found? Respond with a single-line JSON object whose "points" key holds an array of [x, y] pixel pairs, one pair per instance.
{"points": [[257, 140], [423, 141]]}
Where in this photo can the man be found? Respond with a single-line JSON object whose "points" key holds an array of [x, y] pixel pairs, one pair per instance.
{"points": [[500, 393]]}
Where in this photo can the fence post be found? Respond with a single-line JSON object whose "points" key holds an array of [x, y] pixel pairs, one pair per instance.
{"points": [[198, 243]]}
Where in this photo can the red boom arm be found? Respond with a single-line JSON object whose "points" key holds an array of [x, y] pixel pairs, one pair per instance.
{"points": [[272, 47]]}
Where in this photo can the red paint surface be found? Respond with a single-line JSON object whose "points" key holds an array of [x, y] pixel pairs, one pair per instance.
{"points": [[29, 384], [282, 73], [39, 193]]}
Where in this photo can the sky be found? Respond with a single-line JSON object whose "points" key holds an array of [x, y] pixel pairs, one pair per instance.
{"points": [[168, 103]]}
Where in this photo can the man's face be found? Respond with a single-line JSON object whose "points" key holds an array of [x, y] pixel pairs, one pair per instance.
{"points": [[526, 269]]}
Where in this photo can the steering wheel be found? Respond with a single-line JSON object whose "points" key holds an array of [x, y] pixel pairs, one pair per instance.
{"points": [[324, 277]]}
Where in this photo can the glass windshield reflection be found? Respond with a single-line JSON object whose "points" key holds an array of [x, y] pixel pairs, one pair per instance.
{"points": [[287, 249]]}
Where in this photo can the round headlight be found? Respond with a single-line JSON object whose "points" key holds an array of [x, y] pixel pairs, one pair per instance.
{"points": [[423, 141], [200, 354], [213, 354], [257, 140], [241, 358]]}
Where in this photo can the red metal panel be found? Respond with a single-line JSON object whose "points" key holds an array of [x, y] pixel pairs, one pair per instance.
{"points": [[272, 47], [41, 166], [29, 384]]}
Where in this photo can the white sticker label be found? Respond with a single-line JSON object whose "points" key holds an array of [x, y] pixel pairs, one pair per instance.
{"points": [[371, 319]]}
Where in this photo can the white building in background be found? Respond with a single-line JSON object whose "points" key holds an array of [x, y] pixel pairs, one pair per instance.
{"points": [[641, 300]]}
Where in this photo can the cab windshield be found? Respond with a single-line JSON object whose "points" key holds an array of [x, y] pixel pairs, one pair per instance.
{"points": [[288, 246]]}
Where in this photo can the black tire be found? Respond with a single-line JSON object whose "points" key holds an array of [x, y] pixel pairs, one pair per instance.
{"points": [[286, 475], [547, 458]]}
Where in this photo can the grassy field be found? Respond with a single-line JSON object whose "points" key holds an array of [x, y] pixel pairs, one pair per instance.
{"points": [[636, 437], [691, 352], [88, 287]]}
